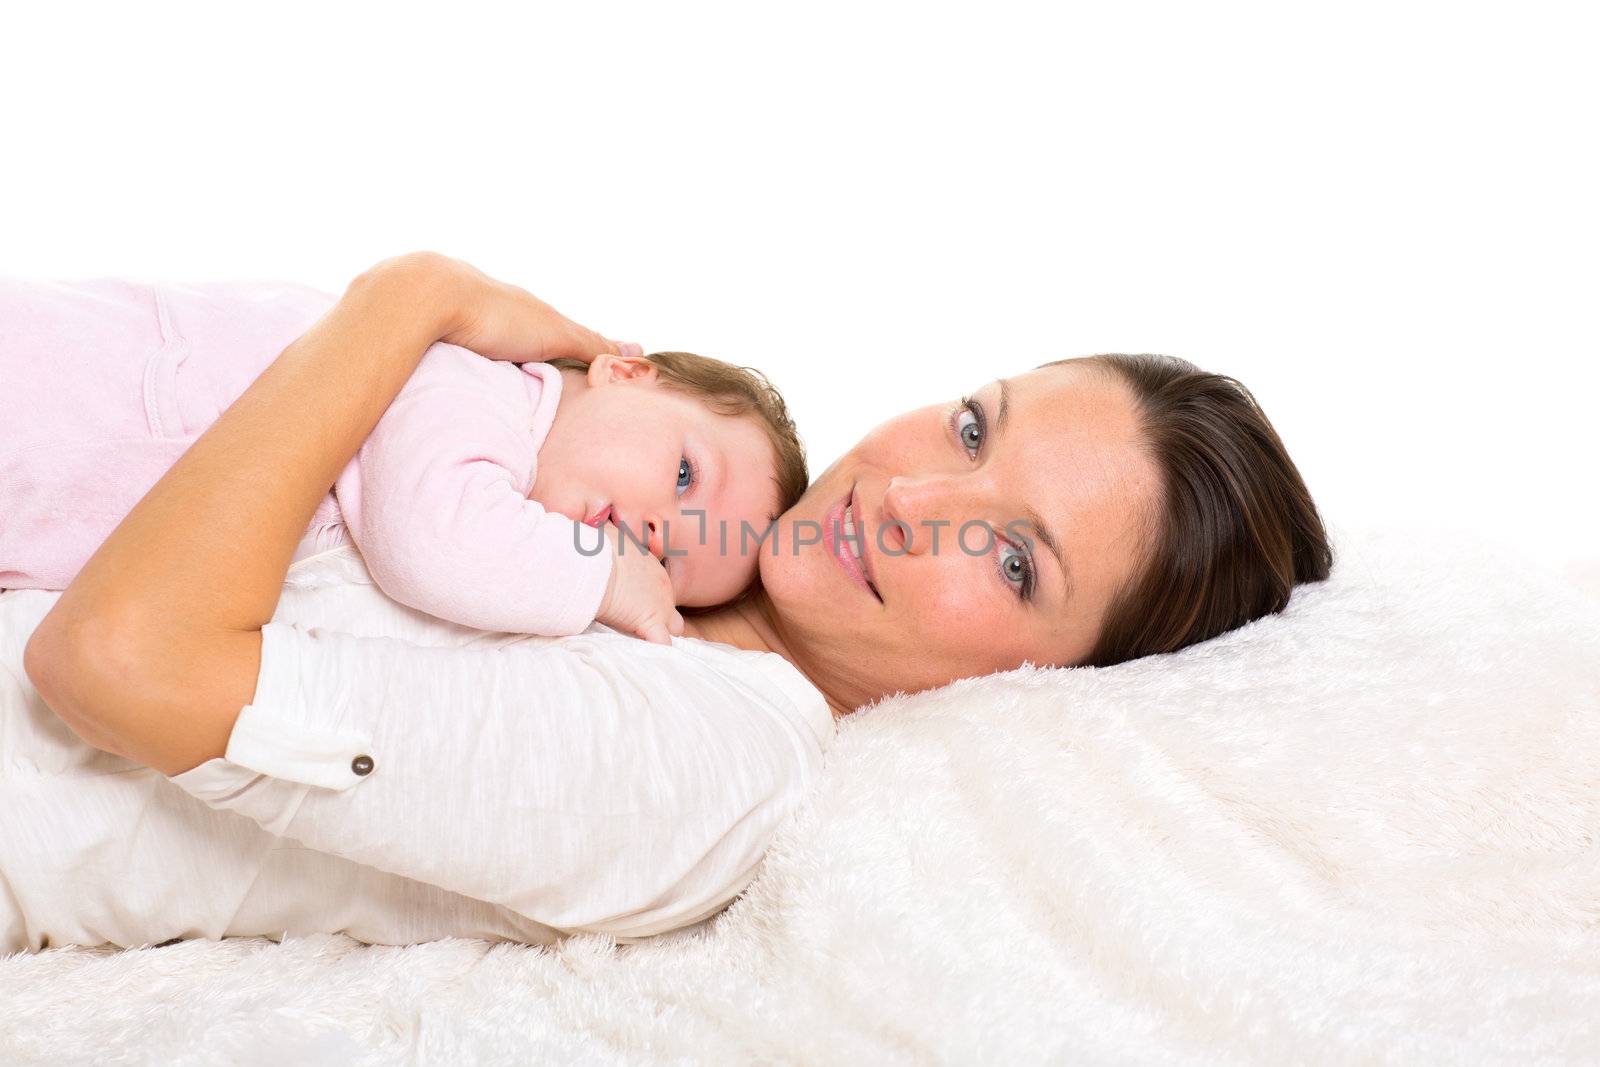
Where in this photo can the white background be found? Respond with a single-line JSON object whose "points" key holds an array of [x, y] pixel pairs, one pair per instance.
{"points": [[1380, 217]]}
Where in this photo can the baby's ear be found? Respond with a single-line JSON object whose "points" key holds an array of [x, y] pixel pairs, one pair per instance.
{"points": [[607, 369]]}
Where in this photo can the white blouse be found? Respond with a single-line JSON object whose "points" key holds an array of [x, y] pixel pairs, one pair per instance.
{"points": [[402, 779]]}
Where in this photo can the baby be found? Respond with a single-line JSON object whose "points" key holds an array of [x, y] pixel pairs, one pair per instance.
{"points": [[466, 498]]}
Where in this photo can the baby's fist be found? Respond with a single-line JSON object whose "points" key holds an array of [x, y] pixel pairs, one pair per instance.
{"points": [[638, 598]]}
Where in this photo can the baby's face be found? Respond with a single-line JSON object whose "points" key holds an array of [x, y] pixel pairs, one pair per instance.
{"points": [[668, 472]]}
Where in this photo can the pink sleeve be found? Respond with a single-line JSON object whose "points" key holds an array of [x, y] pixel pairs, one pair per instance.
{"points": [[435, 500]]}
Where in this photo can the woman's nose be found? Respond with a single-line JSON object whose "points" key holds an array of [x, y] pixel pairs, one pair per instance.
{"points": [[919, 512]]}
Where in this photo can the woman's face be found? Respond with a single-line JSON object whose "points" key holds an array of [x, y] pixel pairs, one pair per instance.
{"points": [[1050, 457]]}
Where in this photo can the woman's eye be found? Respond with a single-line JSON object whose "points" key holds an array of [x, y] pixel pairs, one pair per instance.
{"points": [[685, 475], [969, 425], [1017, 569]]}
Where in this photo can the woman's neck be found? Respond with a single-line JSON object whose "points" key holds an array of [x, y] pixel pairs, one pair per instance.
{"points": [[753, 624]]}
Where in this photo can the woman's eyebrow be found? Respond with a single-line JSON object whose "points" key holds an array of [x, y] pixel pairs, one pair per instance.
{"points": [[1031, 517], [1034, 521]]}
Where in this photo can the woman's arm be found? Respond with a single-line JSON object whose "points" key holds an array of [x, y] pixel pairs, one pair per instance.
{"points": [[595, 783], [155, 645]]}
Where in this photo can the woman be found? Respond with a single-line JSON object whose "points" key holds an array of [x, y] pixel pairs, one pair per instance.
{"points": [[1090, 511]]}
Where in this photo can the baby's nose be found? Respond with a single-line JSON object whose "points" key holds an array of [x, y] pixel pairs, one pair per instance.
{"points": [[655, 531]]}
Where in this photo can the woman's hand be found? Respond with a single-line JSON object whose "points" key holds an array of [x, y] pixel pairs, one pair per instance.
{"points": [[504, 321]]}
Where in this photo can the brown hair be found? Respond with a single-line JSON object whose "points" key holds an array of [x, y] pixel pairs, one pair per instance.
{"points": [[1235, 527], [728, 389]]}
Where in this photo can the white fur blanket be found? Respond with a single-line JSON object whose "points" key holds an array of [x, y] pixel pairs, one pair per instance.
{"points": [[1367, 830]]}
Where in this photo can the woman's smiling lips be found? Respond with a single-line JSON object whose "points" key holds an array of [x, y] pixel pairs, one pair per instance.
{"points": [[836, 530]]}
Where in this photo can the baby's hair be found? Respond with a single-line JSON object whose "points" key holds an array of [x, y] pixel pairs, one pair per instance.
{"points": [[738, 391]]}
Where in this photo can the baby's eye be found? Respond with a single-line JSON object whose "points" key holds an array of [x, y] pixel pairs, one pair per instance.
{"points": [[685, 475]]}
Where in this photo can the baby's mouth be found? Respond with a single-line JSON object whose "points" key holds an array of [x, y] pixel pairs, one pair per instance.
{"points": [[598, 517]]}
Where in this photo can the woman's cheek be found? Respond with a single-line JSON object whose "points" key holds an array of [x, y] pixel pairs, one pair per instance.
{"points": [[956, 599]]}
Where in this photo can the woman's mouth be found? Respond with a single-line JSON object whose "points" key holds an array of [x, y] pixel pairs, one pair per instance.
{"points": [[846, 541]]}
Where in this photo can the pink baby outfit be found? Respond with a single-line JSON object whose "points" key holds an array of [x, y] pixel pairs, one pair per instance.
{"points": [[105, 382]]}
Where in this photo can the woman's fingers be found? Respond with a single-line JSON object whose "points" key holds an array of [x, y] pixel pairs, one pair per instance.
{"points": [[567, 340], [500, 320]]}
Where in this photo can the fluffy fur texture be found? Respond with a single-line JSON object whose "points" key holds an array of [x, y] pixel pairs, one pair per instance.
{"points": [[1362, 831]]}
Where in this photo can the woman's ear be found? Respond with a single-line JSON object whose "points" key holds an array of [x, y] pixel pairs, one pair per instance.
{"points": [[607, 369]]}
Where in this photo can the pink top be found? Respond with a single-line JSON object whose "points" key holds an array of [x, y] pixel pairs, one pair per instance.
{"points": [[105, 383]]}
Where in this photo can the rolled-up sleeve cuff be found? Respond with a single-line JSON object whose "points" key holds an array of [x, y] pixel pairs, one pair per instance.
{"points": [[269, 743], [292, 731]]}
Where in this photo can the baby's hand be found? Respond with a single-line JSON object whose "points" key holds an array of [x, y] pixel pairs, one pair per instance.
{"points": [[638, 597]]}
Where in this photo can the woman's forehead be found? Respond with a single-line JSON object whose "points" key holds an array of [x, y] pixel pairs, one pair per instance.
{"points": [[1060, 380], [1073, 444], [1078, 406]]}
